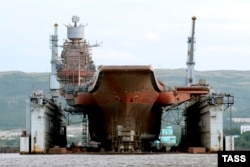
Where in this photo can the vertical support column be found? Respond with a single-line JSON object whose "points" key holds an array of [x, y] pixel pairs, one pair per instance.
{"points": [[211, 122], [204, 123], [85, 132]]}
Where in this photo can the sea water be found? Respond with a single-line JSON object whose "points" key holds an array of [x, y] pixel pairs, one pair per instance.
{"points": [[107, 160]]}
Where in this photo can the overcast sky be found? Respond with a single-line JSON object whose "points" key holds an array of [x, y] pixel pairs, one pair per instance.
{"points": [[133, 32]]}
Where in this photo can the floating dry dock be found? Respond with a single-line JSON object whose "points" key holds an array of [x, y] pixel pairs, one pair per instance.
{"points": [[123, 104]]}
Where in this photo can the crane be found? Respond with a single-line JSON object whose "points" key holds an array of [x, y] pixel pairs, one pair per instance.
{"points": [[190, 57]]}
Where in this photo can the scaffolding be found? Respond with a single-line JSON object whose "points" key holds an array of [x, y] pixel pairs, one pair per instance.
{"points": [[126, 137], [85, 132]]}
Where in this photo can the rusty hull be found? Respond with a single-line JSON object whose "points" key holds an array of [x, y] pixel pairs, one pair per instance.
{"points": [[119, 93]]}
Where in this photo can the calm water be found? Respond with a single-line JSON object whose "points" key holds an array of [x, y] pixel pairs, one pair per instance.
{"points": [[75, 160]]}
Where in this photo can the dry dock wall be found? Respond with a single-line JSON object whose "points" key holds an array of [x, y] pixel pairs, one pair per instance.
{"points": [[204, 124], [43, 126]]}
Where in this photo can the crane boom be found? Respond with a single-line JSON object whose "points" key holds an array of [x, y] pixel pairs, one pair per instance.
{"points": [[190, 57]]}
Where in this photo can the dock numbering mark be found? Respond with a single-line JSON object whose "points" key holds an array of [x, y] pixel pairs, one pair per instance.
{"points": [[234, 159]]}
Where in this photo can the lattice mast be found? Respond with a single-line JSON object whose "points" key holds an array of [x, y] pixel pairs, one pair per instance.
{"points": [[190, 78], [54, 84]]}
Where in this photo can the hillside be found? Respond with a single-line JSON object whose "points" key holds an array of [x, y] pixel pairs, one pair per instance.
{"points": [[16, 86]]}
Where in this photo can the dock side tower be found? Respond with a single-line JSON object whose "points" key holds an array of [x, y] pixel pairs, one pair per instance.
{"points": [[190, 78], [54, 84]]}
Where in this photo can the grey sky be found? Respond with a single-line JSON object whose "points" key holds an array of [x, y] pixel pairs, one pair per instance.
{"points": [[133, 32]]}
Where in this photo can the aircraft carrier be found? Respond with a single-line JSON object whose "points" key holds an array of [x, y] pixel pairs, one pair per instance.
{"points": [[123, 104]]}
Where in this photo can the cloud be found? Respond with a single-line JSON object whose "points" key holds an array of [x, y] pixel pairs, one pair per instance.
{"points": [[152, 37], [225, 50], [113, 57], [132, 31]]}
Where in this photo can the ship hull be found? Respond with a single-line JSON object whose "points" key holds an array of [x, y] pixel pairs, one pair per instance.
{"points": [[128, 100], [104, 120], [122, 97]]}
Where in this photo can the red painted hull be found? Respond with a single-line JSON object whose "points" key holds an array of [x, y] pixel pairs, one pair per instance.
{"points": [[123, 94]]}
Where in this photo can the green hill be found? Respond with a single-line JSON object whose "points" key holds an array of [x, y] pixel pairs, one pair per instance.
{"points": [[15, 88]]}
